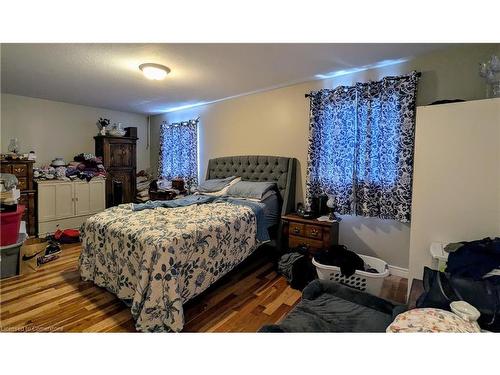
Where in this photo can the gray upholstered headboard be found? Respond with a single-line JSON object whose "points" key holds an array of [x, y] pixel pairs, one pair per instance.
{"points": [[280, 169]]}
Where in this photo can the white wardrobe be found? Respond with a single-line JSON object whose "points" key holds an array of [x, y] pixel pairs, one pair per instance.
{"points": [[456, 181], [67, 204]]}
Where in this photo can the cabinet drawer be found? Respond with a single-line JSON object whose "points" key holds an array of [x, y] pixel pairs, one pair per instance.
{"points": [[6, 168], [294, 241], [315, 232], [23, 183], [296, 229], [20, 170]]}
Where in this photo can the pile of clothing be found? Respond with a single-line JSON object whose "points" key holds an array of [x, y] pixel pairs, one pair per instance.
{"points": [[9, 193], [84, 167], [348, 261], [474, 259], [144, 179]]}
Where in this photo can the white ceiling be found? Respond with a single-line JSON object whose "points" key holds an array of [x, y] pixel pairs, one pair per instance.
{"points": [[107, 75]]}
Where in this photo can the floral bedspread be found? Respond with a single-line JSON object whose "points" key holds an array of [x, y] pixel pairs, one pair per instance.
{"points": [[159, 259]]}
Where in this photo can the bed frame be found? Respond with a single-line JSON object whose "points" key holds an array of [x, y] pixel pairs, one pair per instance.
{"points": [[279, 169]]}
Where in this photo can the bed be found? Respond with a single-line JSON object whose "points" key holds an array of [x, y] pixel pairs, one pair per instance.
{"points": [[156, 260]]}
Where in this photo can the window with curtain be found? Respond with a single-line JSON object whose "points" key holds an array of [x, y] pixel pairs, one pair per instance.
{"points": [[179, 151], [361, 141]]}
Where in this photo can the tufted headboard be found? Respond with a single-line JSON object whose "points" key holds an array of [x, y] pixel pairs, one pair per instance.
{"points": [[259, 168]]}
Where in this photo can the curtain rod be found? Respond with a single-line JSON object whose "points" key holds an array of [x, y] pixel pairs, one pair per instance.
{"points": [[419, 74]]}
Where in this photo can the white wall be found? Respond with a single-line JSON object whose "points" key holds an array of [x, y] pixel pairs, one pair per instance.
{"points": [[53, 129], [276, 123], [456, 185]]}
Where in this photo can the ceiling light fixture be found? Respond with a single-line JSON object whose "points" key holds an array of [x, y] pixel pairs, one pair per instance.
{"points": [[153, 71]]}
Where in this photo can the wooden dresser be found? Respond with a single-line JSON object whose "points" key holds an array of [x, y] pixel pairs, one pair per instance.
{"points": [[23, 170], [316, 235], [119, 157]]}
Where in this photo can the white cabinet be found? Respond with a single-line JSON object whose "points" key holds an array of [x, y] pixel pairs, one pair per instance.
{"points": [[66, 205]]}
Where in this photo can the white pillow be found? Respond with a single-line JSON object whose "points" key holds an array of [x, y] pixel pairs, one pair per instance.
{"points": [[222, 192]]}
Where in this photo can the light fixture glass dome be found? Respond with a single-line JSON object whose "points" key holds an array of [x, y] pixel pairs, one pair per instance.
{"points": [[153, 71]]}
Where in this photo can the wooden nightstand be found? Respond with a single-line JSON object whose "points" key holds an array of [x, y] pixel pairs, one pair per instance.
{"points": [[316, 235]]}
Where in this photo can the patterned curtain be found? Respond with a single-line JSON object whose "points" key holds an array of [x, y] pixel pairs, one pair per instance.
{"points": [[361, 141], [179, 151], [331, 152]]}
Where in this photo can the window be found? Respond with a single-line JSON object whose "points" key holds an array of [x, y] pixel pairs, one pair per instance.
{"points": [[179, 151], [361, 141]]}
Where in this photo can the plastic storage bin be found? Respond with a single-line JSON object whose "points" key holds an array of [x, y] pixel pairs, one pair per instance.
{"points": [[361, 280], [9, 226], [9, 255], [439, 256]]}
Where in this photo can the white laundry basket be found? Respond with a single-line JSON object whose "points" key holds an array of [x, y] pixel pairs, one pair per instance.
{"points": [[361, 280]]}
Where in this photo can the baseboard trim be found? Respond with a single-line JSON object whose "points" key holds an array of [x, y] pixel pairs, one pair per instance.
{"points": [[399, 271]]}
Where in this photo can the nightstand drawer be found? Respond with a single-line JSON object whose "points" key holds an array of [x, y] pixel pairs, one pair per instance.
{"points": [[294, 241], [20, 170], [297, 229], [23, 183], [315, 232], [6, 168]]}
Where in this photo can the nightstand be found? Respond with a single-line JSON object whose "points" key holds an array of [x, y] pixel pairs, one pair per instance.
{"points": [[316, 235]]}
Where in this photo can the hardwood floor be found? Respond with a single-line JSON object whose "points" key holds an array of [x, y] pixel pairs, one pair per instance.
{"points": [[54, 299]]}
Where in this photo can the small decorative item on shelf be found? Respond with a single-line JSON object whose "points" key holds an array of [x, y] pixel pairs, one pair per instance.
{"points": [[490, 72], [300, 209], [117, 130], [102, 124], [13, 146], [58, 162]]}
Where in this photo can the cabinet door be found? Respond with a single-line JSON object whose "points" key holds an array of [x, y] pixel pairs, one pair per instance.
{"points": [[64, 203], [46, 202], [82, 198], [97, 196], [120, 154]]}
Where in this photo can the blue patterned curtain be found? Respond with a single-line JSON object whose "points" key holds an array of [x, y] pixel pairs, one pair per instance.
{"points": [[179, 151], [361, 141]]}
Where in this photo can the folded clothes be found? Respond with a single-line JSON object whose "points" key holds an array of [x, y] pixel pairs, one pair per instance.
{"points": [[143, 181], [143, 193], [143, 185], [86, 156], [85, 167]]}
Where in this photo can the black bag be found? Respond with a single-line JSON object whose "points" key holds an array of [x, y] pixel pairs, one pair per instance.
{"points": [[297, 267], [441, 289]]}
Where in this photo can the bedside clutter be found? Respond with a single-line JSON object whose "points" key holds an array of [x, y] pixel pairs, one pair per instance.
{"points": [[163, 190]]}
